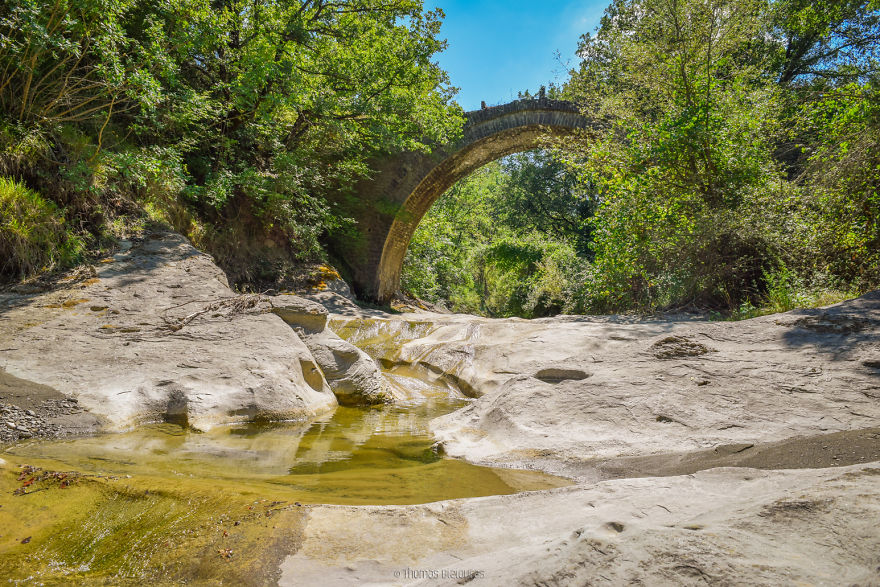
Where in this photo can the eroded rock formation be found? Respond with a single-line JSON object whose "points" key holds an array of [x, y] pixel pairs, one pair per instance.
{"points": [[157, 334], [353, 376]]}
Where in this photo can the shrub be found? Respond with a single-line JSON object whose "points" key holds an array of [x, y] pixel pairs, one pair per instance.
{"points": [[33, 234]]}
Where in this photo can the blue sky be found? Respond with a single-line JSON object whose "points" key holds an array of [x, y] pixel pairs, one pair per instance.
{"points": [[499, 47]]}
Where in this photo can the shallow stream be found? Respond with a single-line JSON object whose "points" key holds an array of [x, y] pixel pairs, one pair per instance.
{"points": [[165, 504], [357, 455]]}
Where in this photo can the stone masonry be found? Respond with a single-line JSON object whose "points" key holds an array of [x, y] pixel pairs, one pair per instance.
{"points": [[389, 206]]}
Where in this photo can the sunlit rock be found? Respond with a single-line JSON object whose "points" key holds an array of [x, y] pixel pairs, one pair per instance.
{"points": [[158, 335], [353, 376]]}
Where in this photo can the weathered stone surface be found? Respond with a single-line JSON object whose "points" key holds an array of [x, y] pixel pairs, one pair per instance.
{"points": [[301, 312], [157, 334], [571, 394], [719, 527], [677, 432], [353, 376]]}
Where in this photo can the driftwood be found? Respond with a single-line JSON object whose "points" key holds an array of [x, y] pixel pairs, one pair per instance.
{"points": [[225, 307]]}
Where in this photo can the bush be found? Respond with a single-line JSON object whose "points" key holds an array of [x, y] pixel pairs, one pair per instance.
{"points": [[33, 234]]}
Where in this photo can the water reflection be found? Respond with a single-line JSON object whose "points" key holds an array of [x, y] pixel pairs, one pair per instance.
{"points": [[358, 455]]}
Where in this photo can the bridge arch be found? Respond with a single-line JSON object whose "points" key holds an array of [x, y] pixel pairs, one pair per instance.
{"points": [[406, 185]]}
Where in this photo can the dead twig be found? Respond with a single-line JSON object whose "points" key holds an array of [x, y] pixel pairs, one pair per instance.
{"points": [[226, 307]]}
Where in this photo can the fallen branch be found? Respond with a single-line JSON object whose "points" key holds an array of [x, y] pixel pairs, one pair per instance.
{"points": [[226, 307]]}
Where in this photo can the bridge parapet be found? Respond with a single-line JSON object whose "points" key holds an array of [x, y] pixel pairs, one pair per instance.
{"points": [[522, 105]]}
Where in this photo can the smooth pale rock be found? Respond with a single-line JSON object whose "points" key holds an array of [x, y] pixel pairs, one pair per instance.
{"points": [[154, 336], [301, 312], [353, 376], [336, 296], [566, 393], [338, 287], [719, 527]]}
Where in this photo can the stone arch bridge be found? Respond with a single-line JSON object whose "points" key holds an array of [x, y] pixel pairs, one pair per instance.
{"points": [[389, 206]]}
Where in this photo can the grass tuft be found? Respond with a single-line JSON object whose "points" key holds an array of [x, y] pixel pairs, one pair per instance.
{"points": [[33, 234]]}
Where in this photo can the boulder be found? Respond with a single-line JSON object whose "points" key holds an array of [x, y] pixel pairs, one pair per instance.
{"points": [[157, 334], [353, 376], [300, 312]]}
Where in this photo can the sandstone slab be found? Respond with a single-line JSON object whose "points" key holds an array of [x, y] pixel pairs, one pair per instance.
{"points": [[570, 394], [157, 334], [727, 526]]}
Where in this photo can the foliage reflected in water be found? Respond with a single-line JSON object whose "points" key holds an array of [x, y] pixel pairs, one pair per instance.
{"points": [[166, 504]]}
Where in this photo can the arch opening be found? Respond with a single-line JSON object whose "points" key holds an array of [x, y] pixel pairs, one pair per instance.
{"points": [[438, 181], [411, 182]]}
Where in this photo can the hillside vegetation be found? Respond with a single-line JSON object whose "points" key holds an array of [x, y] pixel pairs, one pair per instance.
{"points": [[738, 171], [230, 120]]}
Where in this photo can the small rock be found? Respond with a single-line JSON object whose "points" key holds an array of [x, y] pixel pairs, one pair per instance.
{"points": [[11, 425], [677, 347], [31, 413], [301, 312]]}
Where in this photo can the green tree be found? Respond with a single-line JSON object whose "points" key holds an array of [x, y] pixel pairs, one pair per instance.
{"points": [[489, 246], [540, 193], [835, 41], [232, 120], [687, 158], [840, 185]]}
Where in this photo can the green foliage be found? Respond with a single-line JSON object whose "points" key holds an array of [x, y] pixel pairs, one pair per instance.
{"points": [[837, 41], [672, 223], [70, 61], [739, 170], [484, 248], [541, 194], [786, 290], [693, 206], [33, 233], [232, 120], [840, 184]]}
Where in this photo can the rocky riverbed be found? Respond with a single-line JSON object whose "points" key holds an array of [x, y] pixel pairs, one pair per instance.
{"points": [[701, 452], [30, 410]]}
